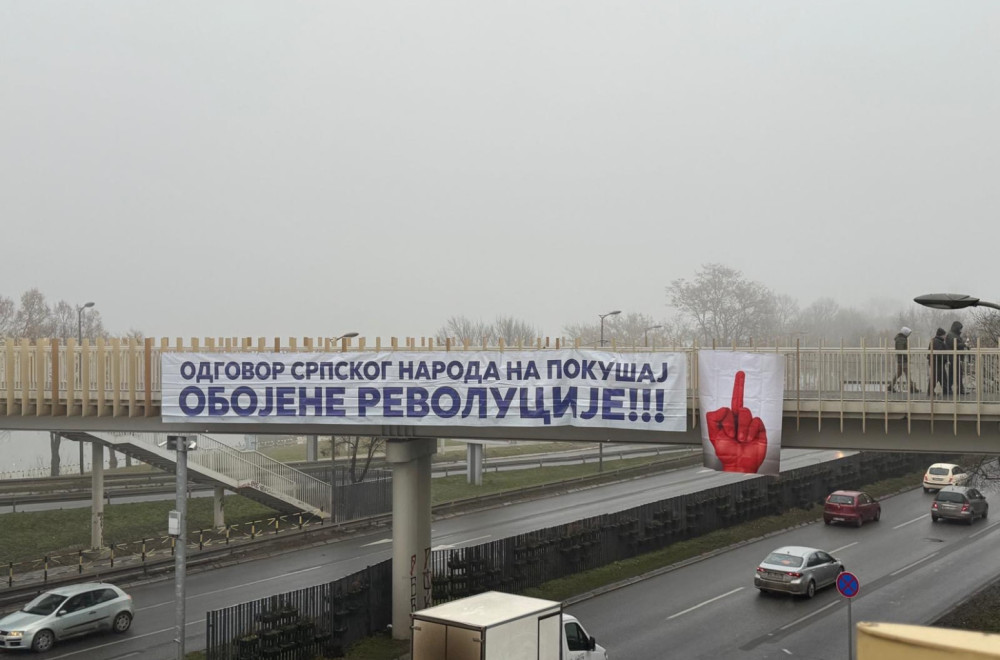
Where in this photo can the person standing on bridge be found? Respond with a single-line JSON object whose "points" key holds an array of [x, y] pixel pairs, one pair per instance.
{"points": [[902, 359], [935, 361], [954, 342]]}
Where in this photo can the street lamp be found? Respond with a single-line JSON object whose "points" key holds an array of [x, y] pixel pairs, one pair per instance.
{"points": [[346, 335], [952, 301], [79, 320], [646, 332], [603, 316]]}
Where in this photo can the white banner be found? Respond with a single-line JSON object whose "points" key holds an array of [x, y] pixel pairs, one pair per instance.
{"points": [[645, 391], [741, 397]]}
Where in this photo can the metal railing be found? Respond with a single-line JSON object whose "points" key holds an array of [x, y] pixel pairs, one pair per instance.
{"points": [[242, 468], [122, 378]]}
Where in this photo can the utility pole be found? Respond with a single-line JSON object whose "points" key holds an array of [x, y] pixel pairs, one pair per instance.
{"points": [[177, 528]]}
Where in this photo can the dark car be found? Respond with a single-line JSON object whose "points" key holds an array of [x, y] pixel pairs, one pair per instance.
{"points": [[959, 503], [850, 506]]}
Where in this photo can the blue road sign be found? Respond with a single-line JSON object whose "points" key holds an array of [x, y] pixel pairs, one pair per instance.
{"points": [[848, 585]]}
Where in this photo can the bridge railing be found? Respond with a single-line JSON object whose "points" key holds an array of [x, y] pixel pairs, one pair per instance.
{"points": [[122, 377], [247, 469]]}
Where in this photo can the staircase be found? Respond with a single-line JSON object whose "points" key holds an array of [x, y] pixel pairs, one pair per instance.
{"points": [[248, 473]]}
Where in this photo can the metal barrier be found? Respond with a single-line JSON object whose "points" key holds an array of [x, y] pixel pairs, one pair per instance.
{"points": [[527, 560], [306, 623]]}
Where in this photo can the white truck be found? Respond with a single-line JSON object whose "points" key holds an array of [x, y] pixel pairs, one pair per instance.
{"points": [[499, 626]]}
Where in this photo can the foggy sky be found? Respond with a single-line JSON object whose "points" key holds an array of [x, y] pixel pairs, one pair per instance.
{"points": [[308, 168]]}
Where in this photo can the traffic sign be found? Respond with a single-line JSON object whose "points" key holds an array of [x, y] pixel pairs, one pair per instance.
{"points": [[848, 584]]}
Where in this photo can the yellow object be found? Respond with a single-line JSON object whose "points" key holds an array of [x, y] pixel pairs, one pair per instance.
{"points": [[894, 641]]}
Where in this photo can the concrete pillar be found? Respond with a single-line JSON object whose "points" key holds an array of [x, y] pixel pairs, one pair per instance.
{"points": [[411, 529], [97, 495], [474, 463], [312, 448], [219, 508]]}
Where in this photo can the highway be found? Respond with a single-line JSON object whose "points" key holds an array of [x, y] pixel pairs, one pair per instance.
{"points": [[152, 632], [910, 569]]}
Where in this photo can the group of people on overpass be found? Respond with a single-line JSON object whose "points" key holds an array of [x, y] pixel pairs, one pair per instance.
{"points": [[943, 368]]}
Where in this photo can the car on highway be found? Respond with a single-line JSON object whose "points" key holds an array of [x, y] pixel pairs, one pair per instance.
{"points": [[797, 570], [959, 503], [850, 506], [940, 475], [66, 612]]}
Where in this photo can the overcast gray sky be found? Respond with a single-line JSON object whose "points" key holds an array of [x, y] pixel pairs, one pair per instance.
{"points": [[305, 168]]}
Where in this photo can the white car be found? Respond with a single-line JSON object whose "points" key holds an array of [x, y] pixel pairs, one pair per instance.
{"points": [[66, 612], [940, 475]]}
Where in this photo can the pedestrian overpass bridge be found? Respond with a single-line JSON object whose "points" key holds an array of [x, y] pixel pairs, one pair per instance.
{"points": [[835, 397], [110, 394]]}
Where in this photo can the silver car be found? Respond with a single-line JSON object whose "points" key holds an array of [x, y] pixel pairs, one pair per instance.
{"points": [[66, 612], [959, 503], [797, 570]]}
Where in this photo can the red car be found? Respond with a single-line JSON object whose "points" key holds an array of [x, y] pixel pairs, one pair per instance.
{"points": [[851, 506]]}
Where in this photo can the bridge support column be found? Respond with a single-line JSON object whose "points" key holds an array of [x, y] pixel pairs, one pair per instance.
{"points": [[97, 495], [411, 529], [474, 463], [312, 448], [219, 508]]}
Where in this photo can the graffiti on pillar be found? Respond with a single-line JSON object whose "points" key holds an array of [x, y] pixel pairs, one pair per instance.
{"points": [[413, 583], [427, 577]]}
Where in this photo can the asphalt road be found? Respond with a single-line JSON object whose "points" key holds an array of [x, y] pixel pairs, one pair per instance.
{"points": [[82, 498], [152, 633], [910, 569]]}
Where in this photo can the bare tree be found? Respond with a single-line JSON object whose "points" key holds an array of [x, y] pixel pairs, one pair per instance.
{"points": [[631, 329], [463, 328], [361, 448], [513, 330], [985, 326], [7, 312], [33, 318], [63, 320], [509, 328], [724, 305]]}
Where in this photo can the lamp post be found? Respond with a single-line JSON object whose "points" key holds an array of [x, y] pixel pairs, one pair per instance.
{"points": [[333, 444], [79, 339], [79, 320], [952, 301], [603, 316], [177, 528], [346, 335], [646, 333]]}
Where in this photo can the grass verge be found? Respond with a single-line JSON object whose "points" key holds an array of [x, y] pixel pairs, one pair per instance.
{"points": [[29, 536]]}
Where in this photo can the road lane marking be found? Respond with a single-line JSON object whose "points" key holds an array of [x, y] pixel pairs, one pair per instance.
{"points": [[809, 616], [451, 546], [122, 641], [844, 547], [377, 542], [984, 529], [908, 522], [710, 600], [238, 586], [909, 566]]}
